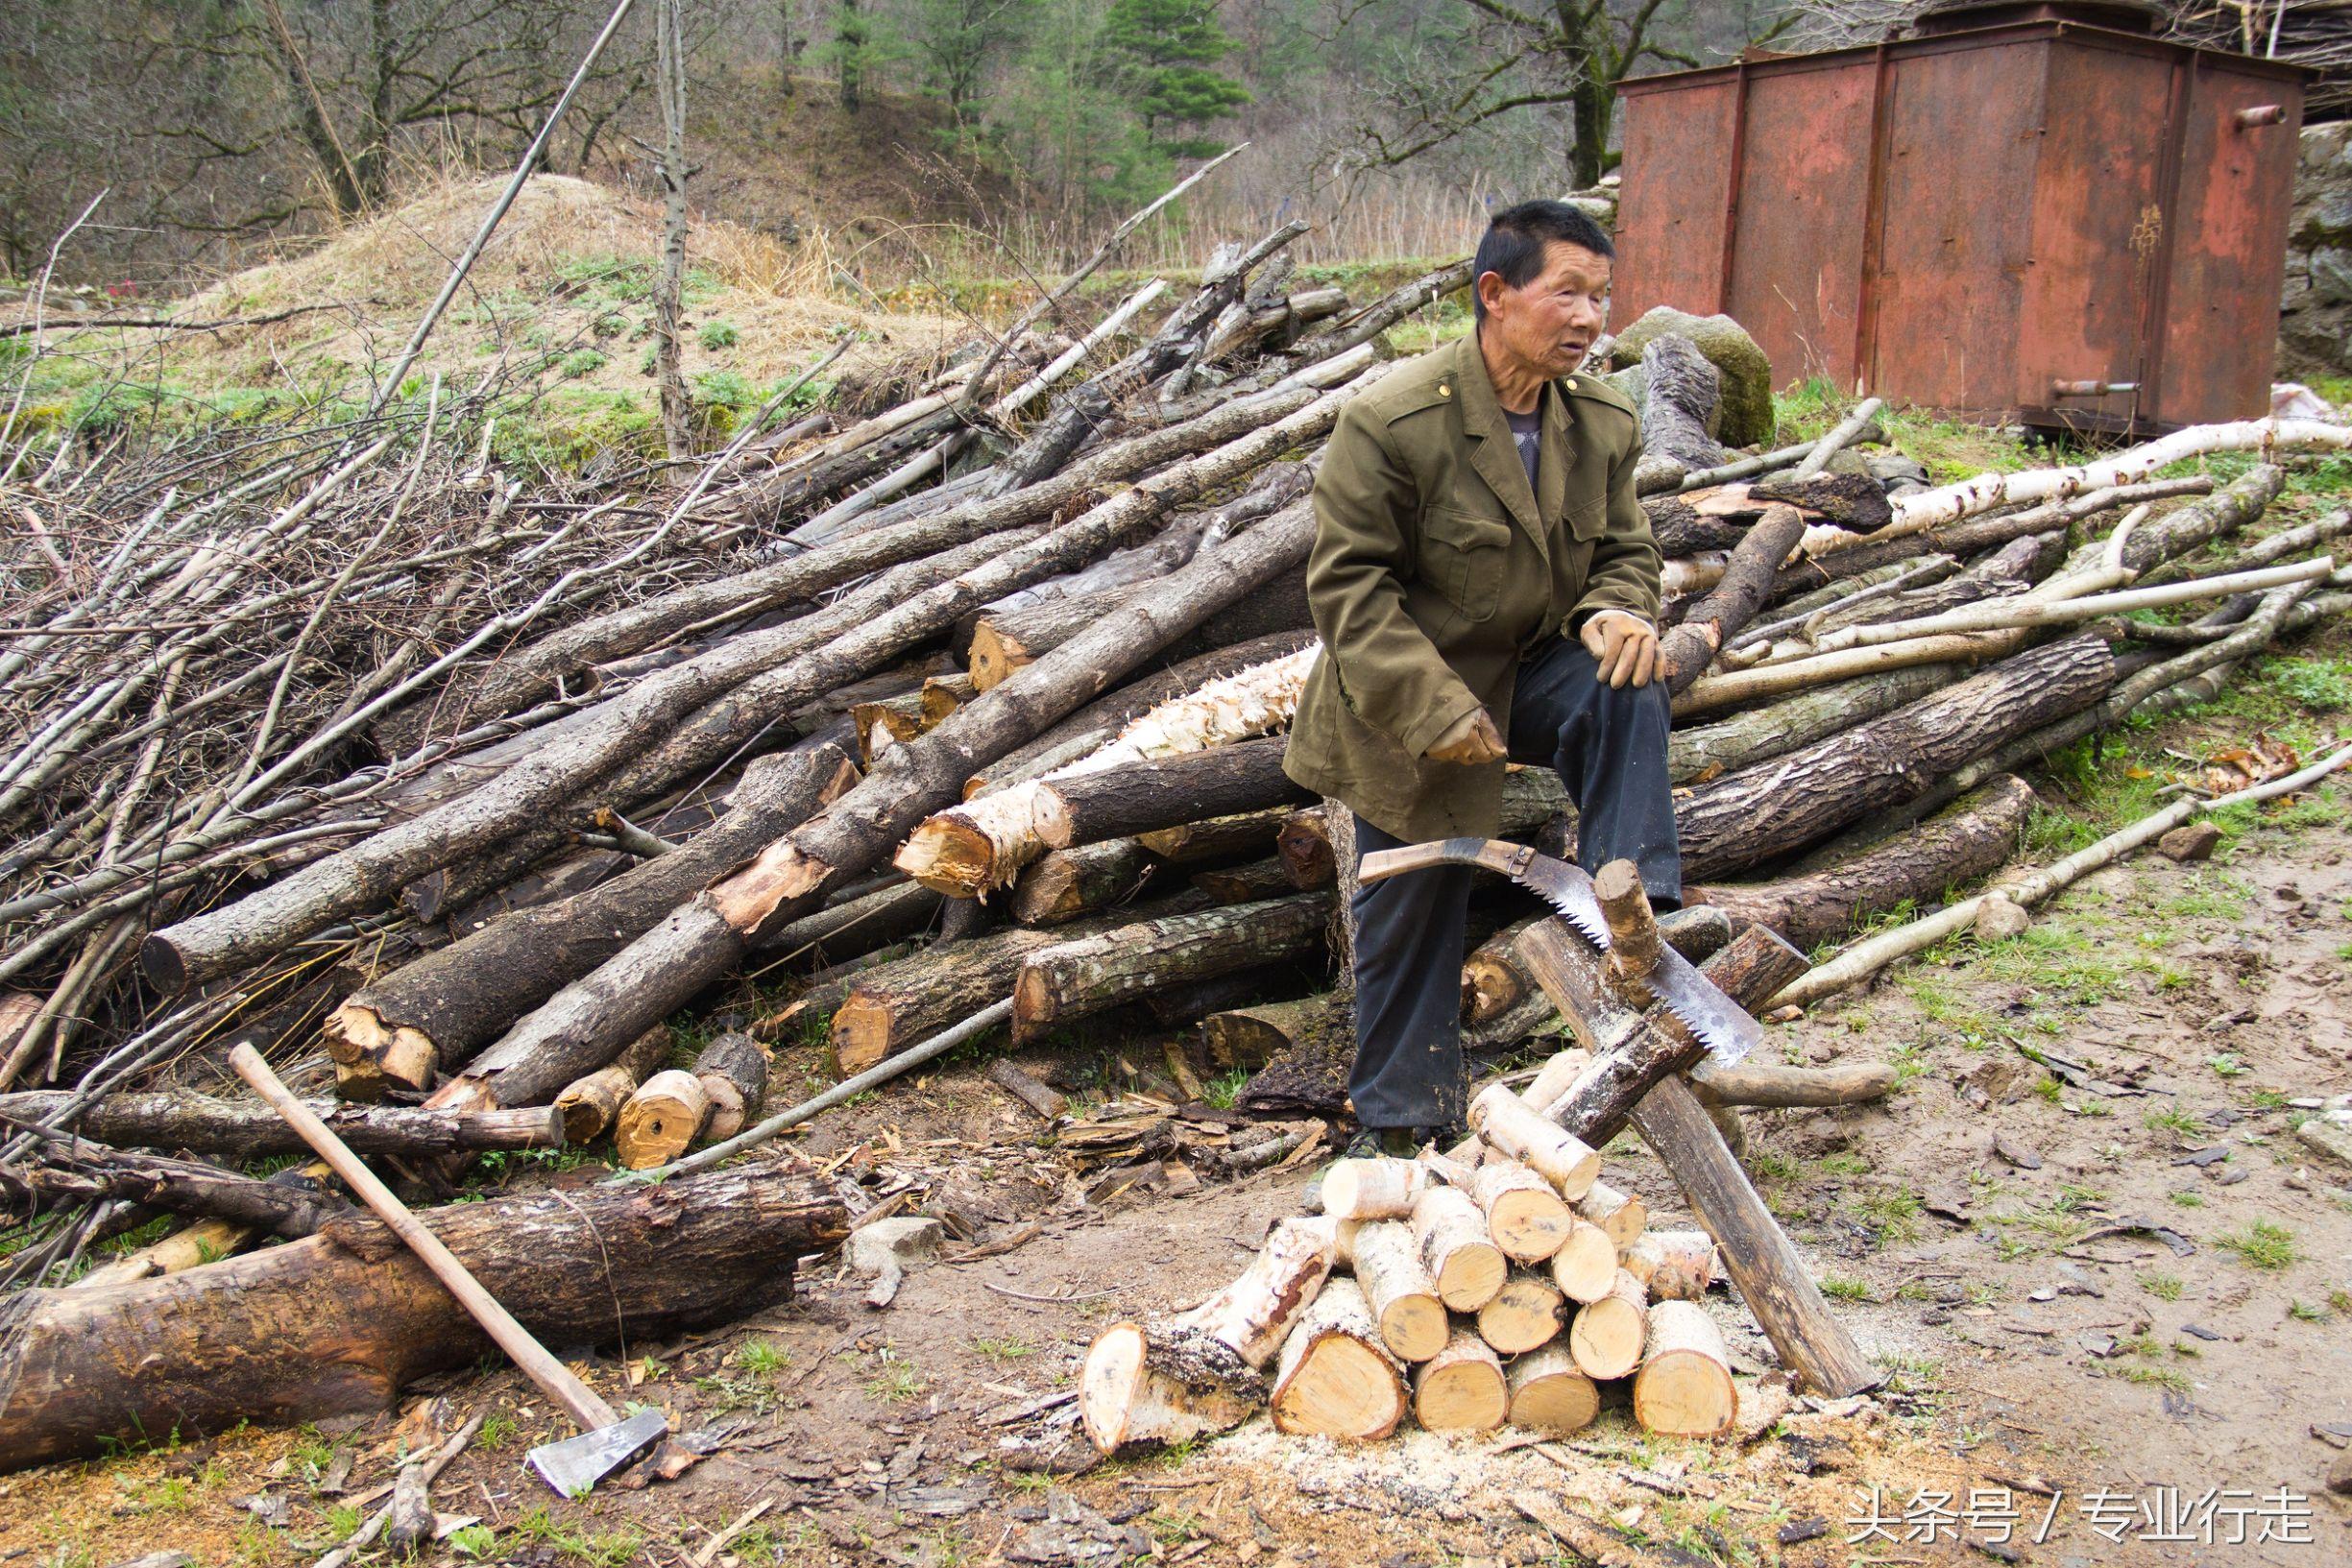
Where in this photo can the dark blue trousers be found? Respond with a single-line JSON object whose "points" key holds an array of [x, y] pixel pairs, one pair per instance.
{"points": [[1608, 746]]}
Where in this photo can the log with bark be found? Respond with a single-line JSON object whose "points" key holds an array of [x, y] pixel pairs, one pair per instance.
{"points": [[588, 1106], [340, 1322], [1072, 979], [1062, 884], [242, 1130], [1163, 792]]}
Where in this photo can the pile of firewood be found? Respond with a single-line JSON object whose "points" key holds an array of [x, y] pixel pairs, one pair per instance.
{"points": [[958, 703], [1502, 1282]]}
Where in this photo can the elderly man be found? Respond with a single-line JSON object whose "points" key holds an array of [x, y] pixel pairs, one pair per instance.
{"points": [[1486, 588]]}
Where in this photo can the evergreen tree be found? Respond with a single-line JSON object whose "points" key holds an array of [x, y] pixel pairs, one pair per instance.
{"points": [[1162, 51]]}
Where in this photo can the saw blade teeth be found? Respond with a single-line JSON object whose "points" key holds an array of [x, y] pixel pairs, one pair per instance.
{"points": [[1598, 937]]}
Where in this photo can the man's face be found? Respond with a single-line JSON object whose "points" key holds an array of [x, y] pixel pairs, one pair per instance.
{"points": [[1549, 321]]}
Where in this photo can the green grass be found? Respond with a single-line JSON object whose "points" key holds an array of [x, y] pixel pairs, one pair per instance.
{"points": [[497, 1431], [1223, 1090], [2262, 1244], [2171, 1119], [2163, 1287], [2304, 1311], [1002, 1350], [1840, 1289], [763, 1360], [717, 335]]}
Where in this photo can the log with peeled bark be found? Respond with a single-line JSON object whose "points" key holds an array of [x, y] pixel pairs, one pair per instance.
{"points": [[1462, 1389], [1621, 1216], [1464, 1266], [431, 1015], [1527, 1311], [1607, 1336], [1092, 974], [1763, 811], [1335, 1378], [732, 1072], [779, 667], [1971, 839], [1684, 1386], [1379, 1188], [1163, 792], [1143, 1385], [1673, 1264], [1398, 1291], [1063, 885], [982, 843], [339, 1324], [589, 1104], [175, 1119], [1099, 723], [1686, 650], [584, 1025], [1763, 1083], [1549, 1393], [1526, 1216]]}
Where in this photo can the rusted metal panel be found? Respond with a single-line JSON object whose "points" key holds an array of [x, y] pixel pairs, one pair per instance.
{"points": [[1959, 224], [1796, 269], [2033, 218], [1671, 228], [2228, 232], [2097, 224]]}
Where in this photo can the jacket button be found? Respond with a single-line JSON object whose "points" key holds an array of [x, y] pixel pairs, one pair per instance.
{"points": [[1444, 391]]}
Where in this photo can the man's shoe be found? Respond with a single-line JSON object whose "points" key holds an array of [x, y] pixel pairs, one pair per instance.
{"points": [[1398, 1142]]}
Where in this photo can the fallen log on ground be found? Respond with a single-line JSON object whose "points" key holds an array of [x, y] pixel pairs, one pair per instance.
{"points": [[1092, 974], [341, 1322], [1163, 792]]}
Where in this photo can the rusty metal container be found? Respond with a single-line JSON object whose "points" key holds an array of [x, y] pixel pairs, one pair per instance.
{"points": [[2020, 216]]}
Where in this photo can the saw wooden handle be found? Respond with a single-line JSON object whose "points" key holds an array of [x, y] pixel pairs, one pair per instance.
{"points": [[554, 1378], [1492, 853]]}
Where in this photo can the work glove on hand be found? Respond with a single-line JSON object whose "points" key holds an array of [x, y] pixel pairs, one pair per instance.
{"points": [[1625, 645], [1470, 739]]}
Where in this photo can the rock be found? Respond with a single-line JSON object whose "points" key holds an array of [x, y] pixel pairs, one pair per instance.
{"points": [[1744, 414], [2016, 1153], [2193, 841], [891, 1249], [2339, 1475], [1999, 920], [2331, 275], [1889, 468]]}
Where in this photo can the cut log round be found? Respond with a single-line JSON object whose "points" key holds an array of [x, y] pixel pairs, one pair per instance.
{"points": [[1527, 1311], [1374, 1189], [1549, 1393], [1145, 1387], [589, 1106], [1673, 1264], [1586, 1266], [1464, 1265], [1398, 1291], [1493, 982], [661, 1121], [892, 1005], [1607, 1336], [1510, 1125], [340, 1322], [732, 1072], [1461, 1387], [1684, 1386], [1621, 1216], [1334, 1379], [1250, 1037], [1526, 1216], [1303, 846]]}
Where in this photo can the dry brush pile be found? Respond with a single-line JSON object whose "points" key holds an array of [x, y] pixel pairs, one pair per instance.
{"points": [[449, 790]]}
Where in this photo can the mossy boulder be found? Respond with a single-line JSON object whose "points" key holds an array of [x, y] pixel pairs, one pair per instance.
{"points": [[1743, 418]]}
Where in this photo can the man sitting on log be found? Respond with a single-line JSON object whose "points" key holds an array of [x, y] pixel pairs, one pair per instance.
{"points": [[1486, 587]]}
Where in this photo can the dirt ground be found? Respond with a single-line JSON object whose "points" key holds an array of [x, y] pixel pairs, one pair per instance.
{"points": [[2111, 1293]]}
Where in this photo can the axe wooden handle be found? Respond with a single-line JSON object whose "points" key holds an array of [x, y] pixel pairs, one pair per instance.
{"points": [[554, 1378]]}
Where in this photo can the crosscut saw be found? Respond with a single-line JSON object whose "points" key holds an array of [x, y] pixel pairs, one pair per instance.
{"points": [[1721, 1025]]}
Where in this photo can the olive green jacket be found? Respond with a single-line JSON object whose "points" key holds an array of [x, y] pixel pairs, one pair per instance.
{"points": [[1434, 571]]}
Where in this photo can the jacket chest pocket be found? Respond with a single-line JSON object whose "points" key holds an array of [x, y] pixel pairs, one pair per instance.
{"points": [[1462, 556]]}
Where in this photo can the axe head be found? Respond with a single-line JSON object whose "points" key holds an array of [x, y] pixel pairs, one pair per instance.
{"points": [[574, 1465]]}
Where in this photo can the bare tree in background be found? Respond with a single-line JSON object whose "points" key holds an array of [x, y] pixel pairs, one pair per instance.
{"points": [[670, 73], [1571, 52]]}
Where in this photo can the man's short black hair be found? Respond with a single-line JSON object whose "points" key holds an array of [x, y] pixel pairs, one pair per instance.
{"points": [[1516, 236]]}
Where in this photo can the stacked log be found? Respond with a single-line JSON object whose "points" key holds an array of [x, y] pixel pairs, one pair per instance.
{"points": [[1466, 1286]]}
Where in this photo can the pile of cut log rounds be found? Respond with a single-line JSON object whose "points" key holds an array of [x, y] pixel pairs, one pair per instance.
{"points": [[1502, 1282]]}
